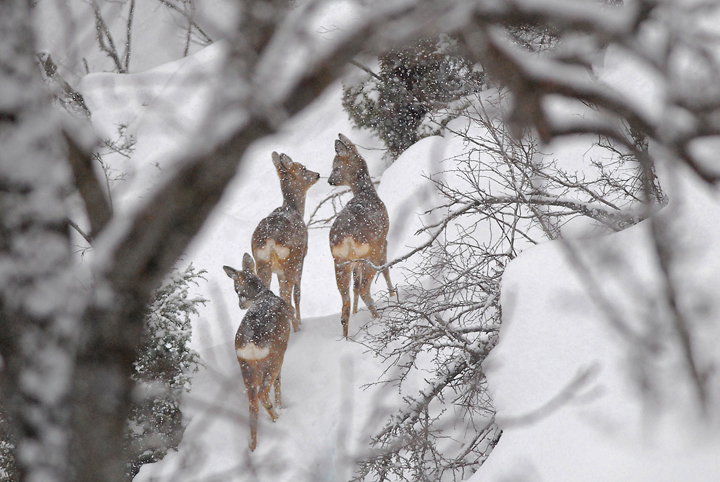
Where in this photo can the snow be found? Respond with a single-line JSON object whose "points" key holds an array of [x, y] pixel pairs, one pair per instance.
{"points": [[407, 197], [160, 109], [564, 378], [554, 331], [323, 420], [68, 30]]}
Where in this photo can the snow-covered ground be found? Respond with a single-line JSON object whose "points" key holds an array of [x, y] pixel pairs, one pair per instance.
{"points": [[325, 407], [563, 378], [566, 381]]}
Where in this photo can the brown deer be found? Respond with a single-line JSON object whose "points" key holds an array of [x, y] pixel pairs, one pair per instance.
{"points": [[260, 341], [279, 243], [358, 237]]}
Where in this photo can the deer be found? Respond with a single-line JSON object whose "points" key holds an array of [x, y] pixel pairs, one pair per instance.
{"points": [[280, 241], [260, 341], [358, 236]]}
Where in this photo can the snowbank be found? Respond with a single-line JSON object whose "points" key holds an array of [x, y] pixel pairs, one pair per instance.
{"points": [[577, 396]]}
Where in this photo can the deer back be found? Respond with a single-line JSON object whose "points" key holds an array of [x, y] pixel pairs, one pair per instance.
{"points": [[265, 328]]}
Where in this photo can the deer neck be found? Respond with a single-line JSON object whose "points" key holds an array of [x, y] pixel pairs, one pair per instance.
{"points": [[257, 287], [295, 201], [363, 184]]}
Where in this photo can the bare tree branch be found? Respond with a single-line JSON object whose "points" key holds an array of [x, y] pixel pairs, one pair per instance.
{"points": [[103, 34], [94, 196], [192, 25], [128, 35]]}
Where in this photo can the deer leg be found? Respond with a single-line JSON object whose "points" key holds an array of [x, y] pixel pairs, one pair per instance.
{"points": [[296, 299], [296, 293], [253, 399], [248, 374], [286, 294], [264, 396], [275, 374], [365, 280], [278, 402], [285, 288], [357, 273], [342, 277], [386, 271], [386, 274]]}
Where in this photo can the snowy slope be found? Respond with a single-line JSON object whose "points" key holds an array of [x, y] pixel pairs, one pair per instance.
{"points": [[327, 412], [323, 421], [603, 427]]}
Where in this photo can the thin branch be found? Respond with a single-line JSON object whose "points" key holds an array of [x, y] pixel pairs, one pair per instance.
{"points": [[367, 70], [102, 33], [82, 233], [128, 35], [680, 322], [191, 23], [97, 205], [330, 198], [565, 395]]}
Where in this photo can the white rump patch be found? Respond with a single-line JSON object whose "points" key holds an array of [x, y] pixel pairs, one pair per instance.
{"points": [[265, 253], [349, 249], [253, 352]]}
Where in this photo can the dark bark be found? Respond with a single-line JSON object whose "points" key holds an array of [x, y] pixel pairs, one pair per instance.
{"points": [[37, 326]]}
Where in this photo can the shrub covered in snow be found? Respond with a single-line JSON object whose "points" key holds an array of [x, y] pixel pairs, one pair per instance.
{"points": [[413, 85], [163, 370]]}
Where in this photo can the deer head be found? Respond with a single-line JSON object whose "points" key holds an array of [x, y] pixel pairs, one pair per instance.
{"points": [[247, 285], [295, 180], [348, 165]]}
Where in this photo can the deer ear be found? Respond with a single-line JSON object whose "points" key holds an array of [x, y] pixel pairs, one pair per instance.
{"points": [[231, 272], [276, 160], [345, 140], [286, 161], [248, 263], [341, 149]]}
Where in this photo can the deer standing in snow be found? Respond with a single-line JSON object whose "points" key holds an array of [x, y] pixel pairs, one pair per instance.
{"points": [[280, 241], [260, 341], [358, 237]]}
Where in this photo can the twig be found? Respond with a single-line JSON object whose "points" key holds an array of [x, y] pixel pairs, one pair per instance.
{"points": [[191, 23], [128, 34], [582, 379], [102, 33], [77, 228], [664, 255]]}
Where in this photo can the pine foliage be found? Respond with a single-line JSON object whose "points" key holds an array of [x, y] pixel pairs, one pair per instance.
{"points": [[163, 370], [411, 97], [8, 467]]}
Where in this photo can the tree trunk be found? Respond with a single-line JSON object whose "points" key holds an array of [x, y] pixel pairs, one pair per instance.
{"points": [[37, 326]]}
